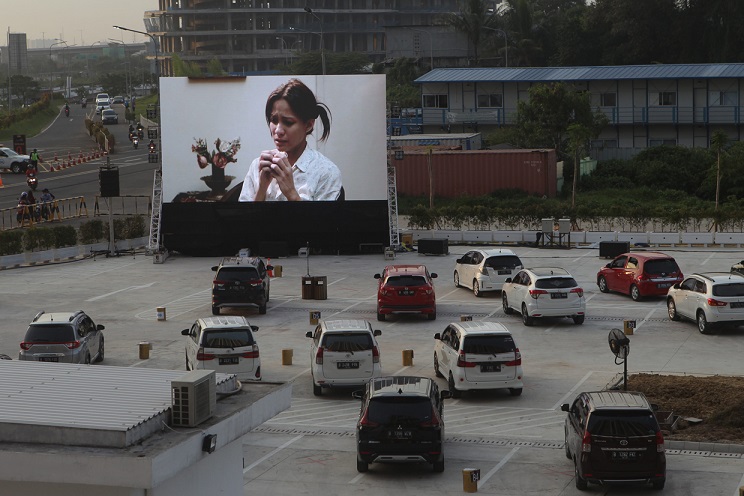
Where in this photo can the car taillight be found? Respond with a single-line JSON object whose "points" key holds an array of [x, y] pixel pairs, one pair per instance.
{"points": [[71, 345], [200, 355], [535, 293], [218, 283], [255, 282], [26, 346], [578, 291], [643, 276], [461, 362], [586, 443], [484, 270], [251, 354], [319, 356], [427, 291], [375, 355], [365, 422], [659, 442], [517, 359], [716, 303], [434, 422]]}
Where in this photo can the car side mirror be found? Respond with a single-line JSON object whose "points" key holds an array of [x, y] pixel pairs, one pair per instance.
{"points": [[309, 334], [459, 260], [565, 407], [654, 407], [377, 332], [185, 332], [377, 276], [676, 286], [437, 336], [214, 269], [445, 394], [434, 275], [100, 327], [254, 328], [508, 279], [609, 265], [358, 394]]}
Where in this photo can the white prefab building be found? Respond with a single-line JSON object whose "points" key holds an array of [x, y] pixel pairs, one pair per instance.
{"points": [[120, 431]]}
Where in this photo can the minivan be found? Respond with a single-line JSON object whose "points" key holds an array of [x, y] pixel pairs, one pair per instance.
{"points": [[614, 437]]}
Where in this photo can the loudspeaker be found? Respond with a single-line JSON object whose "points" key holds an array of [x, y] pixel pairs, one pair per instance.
{"points": [[109, 180], [433, 246]]}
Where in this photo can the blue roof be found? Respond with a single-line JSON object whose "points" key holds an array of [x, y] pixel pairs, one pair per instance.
{"points": [[585, 73]]}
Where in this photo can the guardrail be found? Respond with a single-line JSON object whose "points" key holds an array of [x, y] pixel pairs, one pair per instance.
{"points": [[42, 212], [123, 205]]}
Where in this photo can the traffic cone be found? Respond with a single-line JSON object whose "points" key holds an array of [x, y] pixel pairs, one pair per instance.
{"points": [[271, 270]]}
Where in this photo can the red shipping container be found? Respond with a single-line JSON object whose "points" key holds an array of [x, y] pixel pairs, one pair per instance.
{"points": [[476, 172]]}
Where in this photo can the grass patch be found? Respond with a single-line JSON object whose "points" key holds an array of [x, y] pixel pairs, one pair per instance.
{"points": [[33, 126]]}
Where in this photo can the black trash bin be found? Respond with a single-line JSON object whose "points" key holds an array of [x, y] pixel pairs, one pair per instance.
{"points": [[611, 249], [307, 288], [320, 287]]}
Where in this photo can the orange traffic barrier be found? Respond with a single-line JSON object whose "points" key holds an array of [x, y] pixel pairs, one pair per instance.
{"points": [[1, 182]]}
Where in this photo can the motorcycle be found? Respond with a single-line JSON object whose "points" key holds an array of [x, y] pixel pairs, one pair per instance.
{"points": [[32, 181], [67, 111], [84, 103], [135, 141]]}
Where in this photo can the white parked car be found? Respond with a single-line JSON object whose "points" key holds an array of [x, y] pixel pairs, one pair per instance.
{"points": [[710, 299], [544, 292], [224, 344], [343, 353], [486, 270], [478, 355]]}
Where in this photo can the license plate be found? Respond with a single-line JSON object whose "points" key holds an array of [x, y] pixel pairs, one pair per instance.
{"points": [[400, 434], [624, 455], [490, 367], [558, 296], [737, 304], [664, 285], [504, 272], [406, 292], [229, 361], [347, 365], [49, 359]]}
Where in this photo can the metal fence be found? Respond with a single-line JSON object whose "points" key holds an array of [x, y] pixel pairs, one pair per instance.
{"points": [[43, 212]]}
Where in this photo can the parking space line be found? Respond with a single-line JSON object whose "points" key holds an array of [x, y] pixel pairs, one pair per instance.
{"points": [[356, 479], [706, 260], [572, 391], [741, 483], [495, 469], [298, 375], [261, 460]]}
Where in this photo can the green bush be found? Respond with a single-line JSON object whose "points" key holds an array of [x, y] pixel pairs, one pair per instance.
{"points": [[64, 236], [38, 238], [11, 242], [130, 227], [92, 231]]}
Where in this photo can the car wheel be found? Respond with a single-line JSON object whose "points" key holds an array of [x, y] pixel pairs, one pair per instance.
{"points": [[439, 465], [188, 367], [215, 310], [436, 366], [87, 359], [702, 322], [362, 466], [262, 309], [581, 483], [505, 304], [317, 390], [602, 283], [432, 316], [457, 280], [659, 484], [16, 168], [635, 293], [515, 391], [101, 351], [578, 319], [476, 288], [672, 309], [452, 388], [526, 319], [381, 317], [565, 444], [268, 293]]}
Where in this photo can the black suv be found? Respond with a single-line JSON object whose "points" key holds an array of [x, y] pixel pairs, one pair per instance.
{"points": [[239, 282], [401, 420], [614, 437]]}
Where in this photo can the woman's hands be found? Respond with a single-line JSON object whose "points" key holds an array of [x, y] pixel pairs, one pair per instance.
{"points": [[274, 165]]}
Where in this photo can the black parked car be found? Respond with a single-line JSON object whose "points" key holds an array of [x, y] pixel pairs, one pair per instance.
{"points": [[401, 420], [240, 282]]}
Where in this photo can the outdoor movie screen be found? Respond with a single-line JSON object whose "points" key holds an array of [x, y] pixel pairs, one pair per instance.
{"points": [[215, 129]]}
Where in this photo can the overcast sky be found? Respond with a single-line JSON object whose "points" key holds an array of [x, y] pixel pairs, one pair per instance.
{"points": [[78, 22]]}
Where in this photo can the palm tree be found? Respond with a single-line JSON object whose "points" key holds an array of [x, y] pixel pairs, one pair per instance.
{"points": [[474, 15]]}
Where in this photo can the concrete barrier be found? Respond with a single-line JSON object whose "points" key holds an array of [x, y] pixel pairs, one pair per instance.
{"points": [[671, 239], [633, 237], [509, 237], [597, 236], [477, 236], [704, 239], [728, 238]]}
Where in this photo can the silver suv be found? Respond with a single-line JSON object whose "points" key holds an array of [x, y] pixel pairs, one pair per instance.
{"points": [[710, 298], [69, 337]]}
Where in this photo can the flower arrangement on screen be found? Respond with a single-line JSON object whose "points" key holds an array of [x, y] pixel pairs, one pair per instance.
{"points": [[224, 153]]}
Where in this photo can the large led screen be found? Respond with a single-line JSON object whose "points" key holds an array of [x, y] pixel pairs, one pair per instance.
{"points": [[214, 128]]}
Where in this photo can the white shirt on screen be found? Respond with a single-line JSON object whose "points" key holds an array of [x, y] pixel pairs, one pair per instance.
{"points": [[316, 178]]}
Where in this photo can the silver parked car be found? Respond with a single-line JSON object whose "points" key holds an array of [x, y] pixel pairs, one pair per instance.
{"points": [[70, 337]]}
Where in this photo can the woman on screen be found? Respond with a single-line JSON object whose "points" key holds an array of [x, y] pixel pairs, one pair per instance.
{"points": [[292, 171]]}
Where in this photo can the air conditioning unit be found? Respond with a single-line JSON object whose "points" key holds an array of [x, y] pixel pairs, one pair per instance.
{"points": [[194, 398]]}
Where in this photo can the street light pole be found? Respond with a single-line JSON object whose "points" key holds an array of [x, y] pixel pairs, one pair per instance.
{"points": [[51, 75], [322, 51], [506, 44], [155, 44], [291, 51], [284, 47], [431, 46]]}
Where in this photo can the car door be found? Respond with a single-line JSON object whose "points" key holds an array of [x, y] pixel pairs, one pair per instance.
{"points": [[685, 297], [93, 337], [614, 276], [314, 342], [463, 268], [473, 268], [520, 290], [575, 423], [447, 353], [192, 345]]}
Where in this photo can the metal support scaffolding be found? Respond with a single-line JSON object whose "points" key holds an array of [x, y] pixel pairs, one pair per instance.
{"points": [[392, 194], [154, 246]]}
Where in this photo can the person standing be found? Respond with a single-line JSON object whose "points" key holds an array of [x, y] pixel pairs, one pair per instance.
{"points": [[35, 157]]}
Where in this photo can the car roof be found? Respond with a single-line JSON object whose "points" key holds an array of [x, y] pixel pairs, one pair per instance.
{"points": [[45, 318], [481, 327], [224, 321], [341, 325], [496, 252], [549, 271], [646, 255], [110, 111], [720, 277], [613, 400], [234, 261], [406, 269], [399, 384]]}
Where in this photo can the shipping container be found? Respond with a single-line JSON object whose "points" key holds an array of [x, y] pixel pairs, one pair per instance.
{"points": [[475, 172]]}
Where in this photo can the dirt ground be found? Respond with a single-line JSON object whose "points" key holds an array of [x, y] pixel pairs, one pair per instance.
{"points": [[716, 401]]}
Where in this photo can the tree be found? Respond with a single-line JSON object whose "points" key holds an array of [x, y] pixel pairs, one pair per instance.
{"points": [[185, 69], [718, 143], [336, 63], [399, 84], [578, 142], [474, 16], [214, 68], [24, 87]]}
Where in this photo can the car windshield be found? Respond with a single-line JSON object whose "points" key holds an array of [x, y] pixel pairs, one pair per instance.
{"points": [[503, 262], [347, 342], [488, 345], [50, 333], [406, 280], [555, 283], [227, 338], [733, 289], [399, 410], [234, 274], [10, 152], [622, 424], [663, 266]]}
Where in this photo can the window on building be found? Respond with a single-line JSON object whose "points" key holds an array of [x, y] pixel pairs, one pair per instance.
{"points": [[667, 98], [435, 101], [608, 100], [661, 142], [718, 98], [604, 143], [492, 100]]}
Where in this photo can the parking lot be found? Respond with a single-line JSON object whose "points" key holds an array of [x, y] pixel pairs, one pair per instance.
{"points": [[516, 442]]}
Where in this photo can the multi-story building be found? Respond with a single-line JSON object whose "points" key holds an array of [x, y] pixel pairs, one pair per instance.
{"points": [[647, 105], [257, 36]]}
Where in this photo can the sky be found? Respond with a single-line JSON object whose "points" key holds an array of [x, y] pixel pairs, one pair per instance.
{"points": [[78, 22]]}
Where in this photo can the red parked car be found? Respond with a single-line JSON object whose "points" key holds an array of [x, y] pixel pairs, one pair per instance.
{"points": [[406, 289], [640, 274]]}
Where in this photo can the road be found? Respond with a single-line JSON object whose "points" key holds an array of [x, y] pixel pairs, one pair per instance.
{"points": [[68, 137], [516, 442]]}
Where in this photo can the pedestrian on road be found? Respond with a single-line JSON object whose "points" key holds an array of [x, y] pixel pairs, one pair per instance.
{"points": [[35, 160]]}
